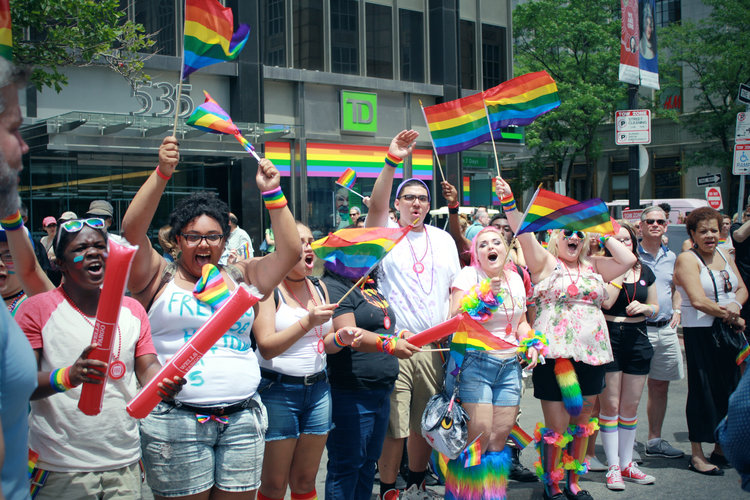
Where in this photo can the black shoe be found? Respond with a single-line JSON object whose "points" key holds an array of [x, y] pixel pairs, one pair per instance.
{"points": [[559, 496], [719, 460], [430, 479], [582, 495], [517, 471]]}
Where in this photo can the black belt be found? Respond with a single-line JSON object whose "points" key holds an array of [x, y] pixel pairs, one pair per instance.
{"points": [[215, 410], [290, 379], [658, 324]]}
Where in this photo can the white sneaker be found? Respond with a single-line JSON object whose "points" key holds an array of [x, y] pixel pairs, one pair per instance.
{"points": [[614, 478], [634, 474], [414, 493], [596, 465]]}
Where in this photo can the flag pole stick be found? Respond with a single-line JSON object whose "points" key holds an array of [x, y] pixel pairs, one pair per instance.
{"points": [[515, 236], [182, 76], [247, 146], [492, 137], [350, 189], [440, 168]]}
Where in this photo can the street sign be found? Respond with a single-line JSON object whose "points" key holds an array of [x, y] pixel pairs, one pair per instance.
{"points": [[632, 215], [744, 94], [742, 131], [633, 127], [707, 180], [713, 197], [741, 164]]}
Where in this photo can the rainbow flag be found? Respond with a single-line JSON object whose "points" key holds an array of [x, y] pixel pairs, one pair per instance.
{"points": [[457, 125], [519, 437], [521, 100], [549, 210], [211, 288], [744, 353], [245, 251], [209, 36], [347, 179], [6, 31], [467, 190], [473, 454], [495, 197], [353, 252], [471, 336], [210, 117]]}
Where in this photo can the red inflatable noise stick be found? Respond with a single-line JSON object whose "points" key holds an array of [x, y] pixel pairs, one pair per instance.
{"points": [[116, 274], [242, 299]]}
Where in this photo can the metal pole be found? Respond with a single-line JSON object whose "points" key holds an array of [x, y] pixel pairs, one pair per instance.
{"points": [[634, 182], [740, 200]]}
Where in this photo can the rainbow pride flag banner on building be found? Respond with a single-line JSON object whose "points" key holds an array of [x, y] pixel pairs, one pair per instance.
{"points": [[6, 31], [209, 35], [457, 125], [548, 210], [353, 252], [521, 100], [347, 179], [467, 190], [210, 117]]}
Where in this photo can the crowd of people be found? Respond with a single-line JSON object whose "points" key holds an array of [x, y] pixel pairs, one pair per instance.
{"points": [[327, 363]]}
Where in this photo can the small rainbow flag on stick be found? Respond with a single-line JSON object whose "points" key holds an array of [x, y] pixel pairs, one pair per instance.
{"points": [[548, 210], [521, 100], [347, 179], [519, 437], [211, 288], [6, 31], [210, 117], [209, 36], [473, 454]]}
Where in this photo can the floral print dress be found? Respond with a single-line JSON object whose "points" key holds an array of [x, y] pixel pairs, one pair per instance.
{"points": [[573, 322]]}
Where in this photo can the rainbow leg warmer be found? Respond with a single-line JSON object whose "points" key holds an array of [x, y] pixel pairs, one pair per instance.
{"points": [[465, 483], [574, 457], [568, 382], [497, 465], [550, 445]]}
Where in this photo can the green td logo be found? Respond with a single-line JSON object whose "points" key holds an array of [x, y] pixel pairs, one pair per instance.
{"points": [[359, 112]]}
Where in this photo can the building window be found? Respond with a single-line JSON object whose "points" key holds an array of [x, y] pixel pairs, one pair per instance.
{"points": [[494, 66], [468, 55], [379, 27], [667, 12], [619, 179], [344, 43], [667, 177], [308, 34], [159, 17], [411, 45], [273, 40], [580, 182]]}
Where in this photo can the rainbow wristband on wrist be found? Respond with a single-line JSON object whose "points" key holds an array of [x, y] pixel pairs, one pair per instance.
{"points": [[12, 222], [59, 379], [538, 341], [509, 203], [274, 199], [338, 341], [603, 241], [386, 344], [393, 160]]}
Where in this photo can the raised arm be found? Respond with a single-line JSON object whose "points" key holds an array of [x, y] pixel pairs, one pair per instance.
{"points": [[401, 147], [450, 193], [611, 267], [267, 272], [147, 264], [33, 278]]}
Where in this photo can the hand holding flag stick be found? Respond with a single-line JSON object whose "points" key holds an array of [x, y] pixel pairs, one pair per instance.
{"points": [[347, 180]]}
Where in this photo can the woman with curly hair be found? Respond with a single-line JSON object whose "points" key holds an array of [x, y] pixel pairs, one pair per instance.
{"points": [[209, 443]]}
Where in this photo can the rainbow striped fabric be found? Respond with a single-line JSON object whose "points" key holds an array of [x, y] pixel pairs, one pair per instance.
{"points": [[744, 353], [6, 31], [473, 454], [210, 117], [457, 125], [353, 252], [467, 190], [211, 288], [209, 36], [519, 437], [521, 100], [549, 210], [347, 179], [471, 336]]}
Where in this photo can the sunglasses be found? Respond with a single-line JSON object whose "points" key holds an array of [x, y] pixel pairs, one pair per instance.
{"points": [[650, 222], [567, 233], [727, 281], [75, 225], [411, 197], [195, 239], [51, 225]]}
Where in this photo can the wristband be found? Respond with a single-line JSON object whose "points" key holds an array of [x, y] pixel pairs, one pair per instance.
{"points": [[337, 341], [538, 341], [452, 210], [454, 204], [509, 203], [653, 311], [386, 344], [274, 199], [603, 241], [393, 160], [676, 311], [299, 322], [615, 285], [738, 304], [402, 333], [162, 174], [59, 379], [12, 222]]}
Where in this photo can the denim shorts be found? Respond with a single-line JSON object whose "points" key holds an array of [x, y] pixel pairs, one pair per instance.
{"points": [[295, 409], [183, 456], [485, 378]]}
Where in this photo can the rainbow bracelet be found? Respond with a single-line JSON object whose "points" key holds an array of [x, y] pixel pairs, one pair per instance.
{"points": [[603, 241], [509, 203], [274, 199], [337, 341], [59, 379], [538, 341], [12, 222], [386, 344], [393, 160]]}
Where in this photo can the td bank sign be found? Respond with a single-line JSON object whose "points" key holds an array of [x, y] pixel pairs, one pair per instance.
{"points": [[359, 112]]}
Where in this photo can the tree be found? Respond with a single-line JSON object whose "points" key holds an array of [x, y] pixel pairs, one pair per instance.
{"points": [[712, 53], [578, 44], [52, 34]]}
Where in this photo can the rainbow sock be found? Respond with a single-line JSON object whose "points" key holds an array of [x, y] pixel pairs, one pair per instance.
{"points": [[497, 465], [626, 438], [310, 495], [550, 444], [608, 433], [575, 455], [568, 382]]}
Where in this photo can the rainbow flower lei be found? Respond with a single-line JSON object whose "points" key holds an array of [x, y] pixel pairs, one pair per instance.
{"points": [[479, 302], [538, 341]]}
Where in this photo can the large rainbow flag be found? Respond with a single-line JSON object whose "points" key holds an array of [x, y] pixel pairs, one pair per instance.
{"points": [[548, 210], [521, 100], [471, 336], [210, 117], [209, 36], [457, 125], [353, 252], [6, 31]]}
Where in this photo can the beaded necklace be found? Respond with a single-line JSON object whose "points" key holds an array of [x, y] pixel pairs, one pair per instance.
{"points": [[117, 368], [418, 266], [572, 288], [319, 346], [16, 300], [377, 300]]}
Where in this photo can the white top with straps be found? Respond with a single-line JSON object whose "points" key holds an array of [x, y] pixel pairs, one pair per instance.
{"points": [[692, 317]]}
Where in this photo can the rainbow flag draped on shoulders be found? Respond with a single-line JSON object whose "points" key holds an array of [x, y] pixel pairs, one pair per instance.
{"points": [[472, 336], [6, 31], [521, 100], [457, 125], [548, 210], [353, 252], [209, 35]]}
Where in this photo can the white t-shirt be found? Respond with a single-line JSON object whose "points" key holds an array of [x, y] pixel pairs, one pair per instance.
{"points": [[421, 300], [66, 439], [510, 311]]}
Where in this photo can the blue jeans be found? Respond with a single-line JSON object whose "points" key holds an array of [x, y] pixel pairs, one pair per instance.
{"points": [[360, 420]]}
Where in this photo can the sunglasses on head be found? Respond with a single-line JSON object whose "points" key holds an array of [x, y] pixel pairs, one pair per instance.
{"points": [[75, 225], [650, 222], [567, 233]]}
